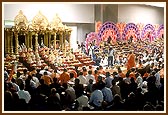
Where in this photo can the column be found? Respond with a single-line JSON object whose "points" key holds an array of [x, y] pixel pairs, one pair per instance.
{"points": [[16, 43], [61, 40], [69, 36], [46, 39], [36, 42], [55, 40], [64, 39], [27, 39], [30, 44], [8, 42], [11, 43], [5, 40], [49, 39]]}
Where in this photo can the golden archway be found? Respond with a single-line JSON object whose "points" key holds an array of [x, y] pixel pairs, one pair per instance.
{"points": [[52, 33]]}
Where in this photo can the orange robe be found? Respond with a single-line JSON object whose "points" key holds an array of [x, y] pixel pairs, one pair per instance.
{"points": [[64, 77], [47, 79], [131, 61], [55, 75]]}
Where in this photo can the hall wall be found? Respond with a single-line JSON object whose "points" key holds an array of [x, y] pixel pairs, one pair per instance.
{"points": [[140, 14], [70, 13], [84, 16], [82, 30]]}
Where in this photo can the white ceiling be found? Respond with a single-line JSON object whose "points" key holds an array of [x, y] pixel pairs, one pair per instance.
{"points": [[157, 4]]}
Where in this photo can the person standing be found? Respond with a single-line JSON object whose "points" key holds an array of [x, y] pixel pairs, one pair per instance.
{"points": [[110, 57], [91, 50], [130, 60]]}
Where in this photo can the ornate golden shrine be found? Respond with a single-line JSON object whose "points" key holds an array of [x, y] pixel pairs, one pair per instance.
{"points": [[39, 31]]}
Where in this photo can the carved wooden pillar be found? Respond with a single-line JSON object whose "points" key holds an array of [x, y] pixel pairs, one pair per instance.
{"points": [[69, 36], [31, 40], [26, 39], [64, 39], [55, 40], [49, 39], [46, 39], [8, 41], [5, 40], [11, 42], [61, 39], [16, 43], [36, 42]]}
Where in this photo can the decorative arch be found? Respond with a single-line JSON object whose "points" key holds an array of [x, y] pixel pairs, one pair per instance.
{"points": [[21, 21], [109, 28], [160, 31], [90, 38], [57, 22], [40, 22], [121, 27], [149, 28], [130, 29], [98, 25]]}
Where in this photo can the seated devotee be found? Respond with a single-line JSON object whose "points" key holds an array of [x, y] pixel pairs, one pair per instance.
{"points": [[43, 88], [82, 102], [91, 68], [89, 87], [96, 74], [90, 76], [82, 78], [70, 95], [115, 88], [101, 70], [120, 72], [84, 71], [24, 94], [96, 98], [47, 79], [55, 74], [104, 61], [132, 73], [107, 94], [108, 80], [6, 75], [79, 88], [53, 101], [117, 105], [64, 77], [73, 71]]}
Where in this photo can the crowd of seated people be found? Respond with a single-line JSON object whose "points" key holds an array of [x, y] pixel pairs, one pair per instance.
{"points": [[140, 88]]}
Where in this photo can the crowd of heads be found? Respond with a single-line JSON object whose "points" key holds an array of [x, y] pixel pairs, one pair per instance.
{"points": [[93, 89]]}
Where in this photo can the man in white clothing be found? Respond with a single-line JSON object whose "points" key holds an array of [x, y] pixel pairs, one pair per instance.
{"points": [[24, 94], [90, 76], [82, 78]]}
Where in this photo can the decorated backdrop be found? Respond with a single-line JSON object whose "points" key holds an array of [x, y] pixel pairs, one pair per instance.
{"points": [[112, 32]]}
